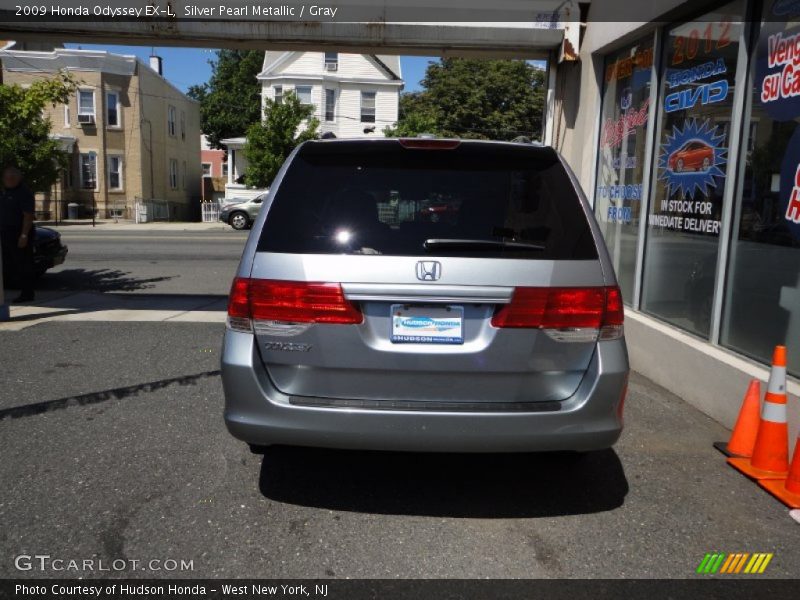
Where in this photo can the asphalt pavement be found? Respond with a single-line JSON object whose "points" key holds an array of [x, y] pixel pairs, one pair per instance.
{"points": [[161, 258], [113, 447]]}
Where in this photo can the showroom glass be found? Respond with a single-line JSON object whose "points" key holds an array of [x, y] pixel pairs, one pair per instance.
{"points": [[690, 165], [620, 166], [762, 303]]}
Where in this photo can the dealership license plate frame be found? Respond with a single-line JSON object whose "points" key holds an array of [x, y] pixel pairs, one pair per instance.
{"points": [[437, 316]]}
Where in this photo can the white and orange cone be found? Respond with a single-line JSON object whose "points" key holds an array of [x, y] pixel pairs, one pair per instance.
{"points": [[787, 490], [770, 458]]}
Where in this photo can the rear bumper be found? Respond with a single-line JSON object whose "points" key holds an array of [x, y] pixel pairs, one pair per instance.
{"points": [[257, 413], [52, 259]]}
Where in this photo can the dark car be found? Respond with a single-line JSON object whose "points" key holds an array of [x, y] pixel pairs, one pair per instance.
{"points": [[48, 252]]}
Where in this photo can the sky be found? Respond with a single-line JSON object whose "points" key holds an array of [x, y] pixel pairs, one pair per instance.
{"points": [[185, 67]]}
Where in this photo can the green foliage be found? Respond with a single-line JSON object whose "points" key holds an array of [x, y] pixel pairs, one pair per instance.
{"points": [[269, 142], [473, 98], [416, 116], [25, 133], [231, 100]]}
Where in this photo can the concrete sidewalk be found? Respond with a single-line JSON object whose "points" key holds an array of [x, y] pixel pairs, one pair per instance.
{"points": [[116, 307], [124, 225]]}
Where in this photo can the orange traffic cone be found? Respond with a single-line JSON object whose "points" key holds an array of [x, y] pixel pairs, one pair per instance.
{"points": [[787, 490], [743, 437], [770, 458]]}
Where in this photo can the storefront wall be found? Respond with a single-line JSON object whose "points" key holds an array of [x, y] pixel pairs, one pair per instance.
{"points": [[697, 177]]}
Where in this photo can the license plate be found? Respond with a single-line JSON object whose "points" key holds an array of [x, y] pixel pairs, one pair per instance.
{"points": [[427, 324]]}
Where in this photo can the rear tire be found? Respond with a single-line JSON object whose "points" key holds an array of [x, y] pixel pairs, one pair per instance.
{"points": [[256, 449], [239, 220]]}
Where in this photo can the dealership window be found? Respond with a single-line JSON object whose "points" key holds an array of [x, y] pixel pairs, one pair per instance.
{"points": [[115, 173], [278, 94], [88, 169], [173, 173], [171, 118], [303, 93], [330, 105], [621, 155], [112, 109], [368, 107], [690, 168], [762, 299]]}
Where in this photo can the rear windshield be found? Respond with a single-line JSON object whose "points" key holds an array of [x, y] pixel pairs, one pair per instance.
{"points": [[383, 199]]}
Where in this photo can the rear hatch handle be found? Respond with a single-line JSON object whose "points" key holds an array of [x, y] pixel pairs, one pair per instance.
{"points": [[380, 292]]}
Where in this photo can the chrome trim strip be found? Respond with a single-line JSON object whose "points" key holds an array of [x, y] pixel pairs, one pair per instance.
{"points": [[427, 293]]}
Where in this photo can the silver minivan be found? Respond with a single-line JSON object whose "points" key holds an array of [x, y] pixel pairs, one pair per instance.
{"points": [[425, 295]]}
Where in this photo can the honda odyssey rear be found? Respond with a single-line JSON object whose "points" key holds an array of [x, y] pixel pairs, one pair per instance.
{"points": [[429, 295]]}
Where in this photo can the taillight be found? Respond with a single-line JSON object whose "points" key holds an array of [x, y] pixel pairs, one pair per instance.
{"points": [[239, 305], [571, 314], [614, 315], [288, 302]]}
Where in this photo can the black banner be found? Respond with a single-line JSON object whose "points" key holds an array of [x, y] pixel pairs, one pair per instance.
{"points": [[729, 588]]}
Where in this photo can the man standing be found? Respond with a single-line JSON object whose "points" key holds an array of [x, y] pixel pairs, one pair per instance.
{"points": [[16, 231]]}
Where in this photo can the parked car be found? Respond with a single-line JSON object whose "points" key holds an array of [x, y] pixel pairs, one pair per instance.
{"points": [[48, 252], [499, 329], [241, 214], [693, 155]]}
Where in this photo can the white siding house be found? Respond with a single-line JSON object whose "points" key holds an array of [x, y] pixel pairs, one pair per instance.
{"points": [[354, 95]]}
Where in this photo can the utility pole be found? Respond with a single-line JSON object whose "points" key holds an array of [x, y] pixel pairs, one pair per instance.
{"points": [[4, 312]]}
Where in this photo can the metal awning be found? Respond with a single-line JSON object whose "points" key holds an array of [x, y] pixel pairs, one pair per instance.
{"points": [[507, 28]]}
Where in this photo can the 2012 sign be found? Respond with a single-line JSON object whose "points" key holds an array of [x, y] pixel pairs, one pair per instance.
{"points": [[713, 37]]}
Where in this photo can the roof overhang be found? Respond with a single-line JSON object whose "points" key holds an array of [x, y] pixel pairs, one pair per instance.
{"points": [[67, 59], [236, 143], [67, 142]]}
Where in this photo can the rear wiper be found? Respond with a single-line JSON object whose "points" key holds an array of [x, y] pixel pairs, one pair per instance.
{"points": [[467, 244]]}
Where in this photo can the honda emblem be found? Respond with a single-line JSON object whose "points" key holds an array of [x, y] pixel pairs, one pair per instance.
{"points": [[429, 270]]}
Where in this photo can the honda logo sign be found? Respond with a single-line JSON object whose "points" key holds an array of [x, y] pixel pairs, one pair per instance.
{"points": [[429, 270]]}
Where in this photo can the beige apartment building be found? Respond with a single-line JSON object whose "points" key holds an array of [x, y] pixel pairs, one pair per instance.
{"points": [[132, 137]]}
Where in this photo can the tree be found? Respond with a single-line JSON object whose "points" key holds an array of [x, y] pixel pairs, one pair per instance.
{"points": [[25, 139], [231, 100], [473, 98], [416, 116], [269, 142]]}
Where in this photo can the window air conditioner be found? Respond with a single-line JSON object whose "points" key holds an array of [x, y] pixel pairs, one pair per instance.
{"points": [[86, 119], [331, 66]]}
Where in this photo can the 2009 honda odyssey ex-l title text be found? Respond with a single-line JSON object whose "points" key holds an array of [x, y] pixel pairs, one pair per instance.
{"points": [[425, 295]]}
